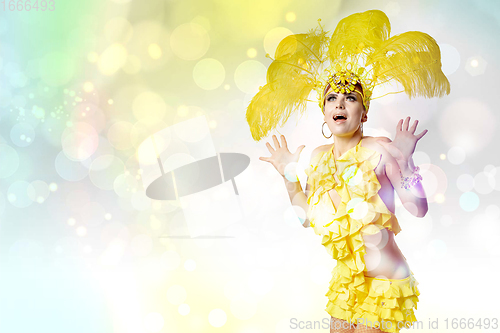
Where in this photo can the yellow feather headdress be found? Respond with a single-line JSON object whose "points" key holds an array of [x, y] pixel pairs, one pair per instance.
{"points": [[359, 50]]}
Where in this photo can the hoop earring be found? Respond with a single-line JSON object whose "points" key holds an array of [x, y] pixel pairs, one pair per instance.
{"points": [[361, 128], [328, 137]]}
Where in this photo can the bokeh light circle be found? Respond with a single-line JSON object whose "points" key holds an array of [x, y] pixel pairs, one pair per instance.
{"points": [[251, 52], [10, 161], [79, 141], [217, 317], [150, 42], [184, 309], [465, 182], [420, 157], [273, 38], [155, 51], [496, 177], [483, 184], [119, 135], [450, 59], [125, 185], [456, 155], [375, 258], [357, 208], [176, 294], [291, 171], [434, 181], [112, 59], [91, 114], [490, 170], [104, 170], [22, 134], [493, 211], [291, 214], [149, 107], [249, 75], [38, 191], [190, 41], [190, 265], [81, 231], [472, 136], [142, 131], [469, 201], [69, 169], [209, 74], [17, 194], [290, 17]]}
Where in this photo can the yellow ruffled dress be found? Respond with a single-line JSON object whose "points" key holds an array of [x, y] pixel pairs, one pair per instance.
{"points": [[352, 296]]}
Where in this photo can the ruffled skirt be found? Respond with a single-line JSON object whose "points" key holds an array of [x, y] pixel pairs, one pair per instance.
{"points": [[387, 304]]}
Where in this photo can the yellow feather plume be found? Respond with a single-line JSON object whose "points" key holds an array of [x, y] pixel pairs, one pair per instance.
{"points": [[414, 60], [357, 35], [290, 79], [360, 45]]}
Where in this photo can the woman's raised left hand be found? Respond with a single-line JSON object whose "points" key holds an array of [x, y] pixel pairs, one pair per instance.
{"points": [[403, 146]]}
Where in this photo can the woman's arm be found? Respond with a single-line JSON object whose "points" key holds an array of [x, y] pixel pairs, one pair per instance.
{"points": [[280, 158], [414, 198], [398, 160], [297, 195]]}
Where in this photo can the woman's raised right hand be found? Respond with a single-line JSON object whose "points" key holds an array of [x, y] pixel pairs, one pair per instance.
{"points": [[281, 156]]}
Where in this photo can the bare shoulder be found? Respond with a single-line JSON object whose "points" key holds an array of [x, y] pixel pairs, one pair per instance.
{"points": [[320, 149], [324, 147], [371, 143]]}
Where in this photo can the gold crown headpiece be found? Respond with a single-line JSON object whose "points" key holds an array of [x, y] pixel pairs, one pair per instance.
{"points": [[359, 51]]}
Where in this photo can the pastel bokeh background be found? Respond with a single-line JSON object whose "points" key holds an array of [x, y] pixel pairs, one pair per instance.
{"points": [[83, 249]]}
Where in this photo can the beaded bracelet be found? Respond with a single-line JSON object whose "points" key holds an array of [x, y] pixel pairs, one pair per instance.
{"points": [[407, 182]]}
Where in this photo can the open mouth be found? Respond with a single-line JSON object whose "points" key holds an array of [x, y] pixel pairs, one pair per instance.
{"points": [[338, 118]]}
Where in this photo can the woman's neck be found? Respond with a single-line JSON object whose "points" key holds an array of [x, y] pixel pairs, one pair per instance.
{"points": [[342, 144]]}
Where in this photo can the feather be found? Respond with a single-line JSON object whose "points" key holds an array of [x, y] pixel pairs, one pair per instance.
{"points": [[357, 35], [273, 105], [290, 80], [414, 60], [360, 44]]}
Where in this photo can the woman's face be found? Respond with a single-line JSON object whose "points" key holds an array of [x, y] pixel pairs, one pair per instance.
{"points": [[344, 112]]}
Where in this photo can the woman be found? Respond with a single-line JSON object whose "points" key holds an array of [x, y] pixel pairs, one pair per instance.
{"points": [[349, 196], [383, 257]]}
